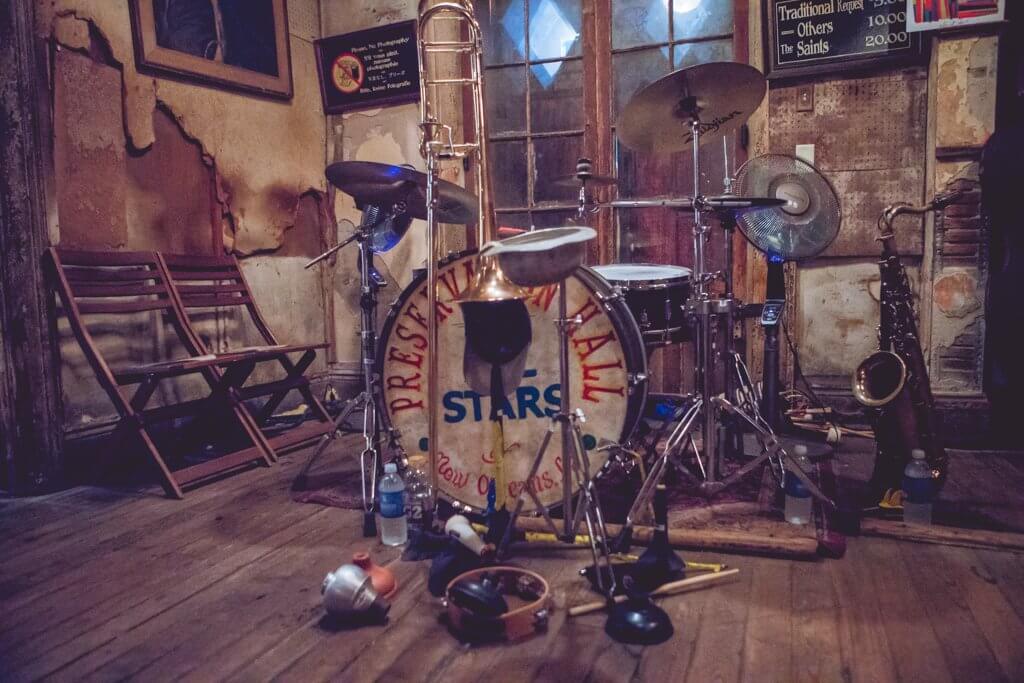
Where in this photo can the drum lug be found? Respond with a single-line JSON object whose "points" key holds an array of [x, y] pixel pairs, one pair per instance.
{"points": [[635, 379]]}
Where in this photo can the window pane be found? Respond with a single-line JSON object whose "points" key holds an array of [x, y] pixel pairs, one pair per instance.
{"points": [[634, 70], [554, 157], [556, 96], [505, 90], [554, 219], [513, 220], [508, 173], [690, 54], [504, 30], [555, 29], [701, 18], [639, 22]]}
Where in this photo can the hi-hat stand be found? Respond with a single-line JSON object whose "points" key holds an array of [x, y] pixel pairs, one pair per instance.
{"points": [[576, 468], [369, 284], [709, 414]]}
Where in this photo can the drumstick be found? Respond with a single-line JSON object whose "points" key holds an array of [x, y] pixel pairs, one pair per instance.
{"points": [[682, 586]]}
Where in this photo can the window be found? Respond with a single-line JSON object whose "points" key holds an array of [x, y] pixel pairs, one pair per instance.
{"points": [[537, 117], [535, 112]]}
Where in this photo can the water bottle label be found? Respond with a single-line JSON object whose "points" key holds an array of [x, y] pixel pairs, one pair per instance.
{"points": [[918, 490], [795, 488], [392, 504]]}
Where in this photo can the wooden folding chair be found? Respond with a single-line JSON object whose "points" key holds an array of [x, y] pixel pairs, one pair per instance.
{"points": [[212, 282], [115, 288]]}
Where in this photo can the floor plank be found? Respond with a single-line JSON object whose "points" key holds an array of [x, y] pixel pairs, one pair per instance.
{"points": [[102, 584]]}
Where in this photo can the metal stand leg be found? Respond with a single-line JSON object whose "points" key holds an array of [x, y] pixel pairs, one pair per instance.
{"points": [[369, 457], [576, 472]]}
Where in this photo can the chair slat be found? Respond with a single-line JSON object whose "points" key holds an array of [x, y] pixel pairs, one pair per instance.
{"points": [[75, 257], [101, 275], [193, 275], [119, 290], [88, 307], [212, 301], [193, 290]]}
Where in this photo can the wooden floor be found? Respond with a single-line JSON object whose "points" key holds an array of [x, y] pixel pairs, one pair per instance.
{"points": [[98, 584]]}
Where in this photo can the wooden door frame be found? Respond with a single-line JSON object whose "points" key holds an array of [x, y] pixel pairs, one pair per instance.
{"points": [[31, 410]]}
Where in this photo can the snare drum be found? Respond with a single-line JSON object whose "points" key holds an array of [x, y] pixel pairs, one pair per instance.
{"points": [[656, 295]]}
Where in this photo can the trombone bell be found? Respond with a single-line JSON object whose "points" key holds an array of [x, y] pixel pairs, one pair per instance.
{"points": [[490, 284]]}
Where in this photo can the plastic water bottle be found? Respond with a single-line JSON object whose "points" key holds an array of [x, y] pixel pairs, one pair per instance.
{"points": [[418, 491], [799, 506], [394, 528], [918, 489]]}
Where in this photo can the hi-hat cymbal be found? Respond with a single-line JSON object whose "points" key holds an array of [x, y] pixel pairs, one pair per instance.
{"points": [[370, 182], [721, 95], [591, 179]]}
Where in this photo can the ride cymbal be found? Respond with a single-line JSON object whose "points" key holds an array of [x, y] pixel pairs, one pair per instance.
{"points": [[721, 95]]}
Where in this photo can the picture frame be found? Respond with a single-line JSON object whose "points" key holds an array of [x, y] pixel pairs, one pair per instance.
{"points": [[238, 45], [931, 15]]}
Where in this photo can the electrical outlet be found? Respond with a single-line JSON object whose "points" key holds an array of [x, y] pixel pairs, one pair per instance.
{"points": [[805, 98]]}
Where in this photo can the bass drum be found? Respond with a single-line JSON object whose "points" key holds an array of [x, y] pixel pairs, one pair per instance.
{"points": [[608, 379]]}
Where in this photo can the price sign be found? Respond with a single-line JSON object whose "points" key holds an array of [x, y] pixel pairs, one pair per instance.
{"points": [[820, 36]]}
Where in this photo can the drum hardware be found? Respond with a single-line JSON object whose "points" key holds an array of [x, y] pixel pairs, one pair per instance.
{"points": [[675, 113], [568, 247], [583, 178], [372, 217]]}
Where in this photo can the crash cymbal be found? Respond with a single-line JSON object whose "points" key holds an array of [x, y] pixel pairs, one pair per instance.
{"points": [[592, 180], [370, 182], [722, 95]]}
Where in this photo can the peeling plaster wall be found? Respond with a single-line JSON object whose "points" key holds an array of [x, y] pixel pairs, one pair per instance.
{"points": [[834, 312], [144, 162], [387, 135]]}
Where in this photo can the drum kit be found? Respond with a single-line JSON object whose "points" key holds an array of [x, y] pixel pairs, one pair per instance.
{"points": [[512, 406]]}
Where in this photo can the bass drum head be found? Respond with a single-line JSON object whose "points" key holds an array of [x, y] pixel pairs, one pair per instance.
{"points": [[607, 363]]}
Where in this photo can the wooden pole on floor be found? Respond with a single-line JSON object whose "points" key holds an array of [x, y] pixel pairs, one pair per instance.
{"points": [[720, 540]]}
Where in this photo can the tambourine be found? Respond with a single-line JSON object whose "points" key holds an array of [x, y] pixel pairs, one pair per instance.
{"points": [[478, 610]]}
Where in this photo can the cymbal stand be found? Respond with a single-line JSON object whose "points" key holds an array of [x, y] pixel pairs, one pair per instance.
{"points": [[575, 468], [708, 411], [367, 398]]}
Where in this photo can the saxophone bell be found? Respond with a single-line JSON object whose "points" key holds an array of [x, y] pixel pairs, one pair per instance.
{"points": [[879, 379]]}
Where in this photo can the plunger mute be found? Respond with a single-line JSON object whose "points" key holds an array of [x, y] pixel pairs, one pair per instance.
{"points": [[348, 593]]}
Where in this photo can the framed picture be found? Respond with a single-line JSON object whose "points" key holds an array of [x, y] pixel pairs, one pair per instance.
{"points": [[234, 44], [375, 67], [927, 15]]}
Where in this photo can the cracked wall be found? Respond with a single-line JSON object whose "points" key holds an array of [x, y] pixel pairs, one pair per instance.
{"points": [[387, 135], [144, 162]]}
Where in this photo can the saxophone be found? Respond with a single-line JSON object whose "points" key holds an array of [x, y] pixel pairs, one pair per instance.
{"points": [[894, 380]]}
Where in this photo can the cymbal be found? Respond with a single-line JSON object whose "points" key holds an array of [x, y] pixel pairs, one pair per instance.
{"points": [[593, 180], [369, 182], [721, 95]]}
